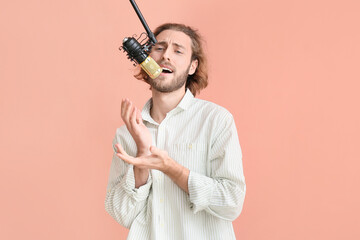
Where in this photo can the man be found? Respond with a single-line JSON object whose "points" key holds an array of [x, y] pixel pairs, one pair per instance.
{"points": [[191, 185]]}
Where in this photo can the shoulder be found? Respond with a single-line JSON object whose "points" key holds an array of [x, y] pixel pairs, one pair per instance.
{"points": [[212, 110]]}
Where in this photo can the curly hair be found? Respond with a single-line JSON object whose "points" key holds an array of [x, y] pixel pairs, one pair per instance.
{"points": [[198, 80]]}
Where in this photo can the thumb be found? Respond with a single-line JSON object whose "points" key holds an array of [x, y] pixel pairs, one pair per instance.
{"points": [[154, 150]]}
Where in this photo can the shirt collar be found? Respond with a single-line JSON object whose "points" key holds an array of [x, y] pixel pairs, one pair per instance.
{"points": [[186, 100], [184, 104]]}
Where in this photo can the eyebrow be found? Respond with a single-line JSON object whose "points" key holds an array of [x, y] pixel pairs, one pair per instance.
{"points": [[163, 43]]}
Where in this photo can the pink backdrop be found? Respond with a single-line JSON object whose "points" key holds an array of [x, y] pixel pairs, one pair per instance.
{"points": [[287, 70]]}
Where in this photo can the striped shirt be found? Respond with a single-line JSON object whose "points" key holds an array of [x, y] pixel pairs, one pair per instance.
{"points": [[201, 136]]}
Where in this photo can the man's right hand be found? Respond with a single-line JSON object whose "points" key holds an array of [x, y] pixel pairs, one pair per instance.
{"points": [[133, 121]]}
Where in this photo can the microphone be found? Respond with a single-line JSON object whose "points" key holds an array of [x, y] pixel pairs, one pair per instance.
{"points": [[139, 53], [135, 52]]}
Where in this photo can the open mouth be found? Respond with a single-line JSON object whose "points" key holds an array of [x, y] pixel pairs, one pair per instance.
{"points": [[167, 70]]}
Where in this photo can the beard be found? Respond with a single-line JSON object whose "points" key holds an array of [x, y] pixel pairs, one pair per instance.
{"points": [[174, 85]]}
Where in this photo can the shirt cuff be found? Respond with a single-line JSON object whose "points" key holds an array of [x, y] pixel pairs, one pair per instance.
{"points": [[141, 193], [200, 191]]}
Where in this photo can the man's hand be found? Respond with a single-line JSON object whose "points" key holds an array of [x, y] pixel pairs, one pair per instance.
{"points": [[160, 160], [133, 121]]}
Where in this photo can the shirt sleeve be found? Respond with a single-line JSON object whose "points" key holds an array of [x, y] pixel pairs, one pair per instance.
{"points": [[222, 193], [123, 201]]}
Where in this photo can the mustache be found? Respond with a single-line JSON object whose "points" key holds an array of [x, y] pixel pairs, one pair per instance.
{"points": [[168, 64]]}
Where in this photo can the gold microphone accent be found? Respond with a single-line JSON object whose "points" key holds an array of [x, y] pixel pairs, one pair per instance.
{"points": [[151, 67]]}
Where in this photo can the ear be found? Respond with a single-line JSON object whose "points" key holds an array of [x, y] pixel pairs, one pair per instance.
{"points": [[193, 66]]}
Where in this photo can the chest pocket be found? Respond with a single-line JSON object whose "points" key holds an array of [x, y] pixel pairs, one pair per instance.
{"points": [[191, 155]]}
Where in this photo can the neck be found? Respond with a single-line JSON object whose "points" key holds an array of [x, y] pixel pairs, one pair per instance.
{"points": [[162, 103]]}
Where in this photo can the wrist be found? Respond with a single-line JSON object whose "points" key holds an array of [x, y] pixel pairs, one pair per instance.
{"points": [[141, 176], [141, 171], [143, 152], [172, 168]]}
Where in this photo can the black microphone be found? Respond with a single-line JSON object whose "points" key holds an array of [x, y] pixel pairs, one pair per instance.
{"points": [[135, 52], [139, 53]]}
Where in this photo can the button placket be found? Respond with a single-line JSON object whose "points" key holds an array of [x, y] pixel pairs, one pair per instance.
{"points": [[160, 176]]}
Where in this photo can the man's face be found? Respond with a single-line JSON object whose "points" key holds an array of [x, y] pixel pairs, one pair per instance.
{"points": [[173, 53]]}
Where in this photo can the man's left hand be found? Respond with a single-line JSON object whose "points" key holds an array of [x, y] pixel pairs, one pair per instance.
{"points": [[158, 159]]}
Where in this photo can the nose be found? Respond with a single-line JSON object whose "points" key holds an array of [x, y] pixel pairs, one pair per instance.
{"points": [[166, 55]]}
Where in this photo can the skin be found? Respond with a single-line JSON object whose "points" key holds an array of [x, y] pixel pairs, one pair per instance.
{"points": [[173, 50]]}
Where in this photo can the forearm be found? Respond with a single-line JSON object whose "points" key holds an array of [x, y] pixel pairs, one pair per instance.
{"points": [[141, 175], [178, 174]]}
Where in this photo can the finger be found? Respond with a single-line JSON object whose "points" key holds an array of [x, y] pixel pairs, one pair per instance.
{"points": [[128, 110], [123, 153], [116, 149], [138, 117], [127, 158], [133, 117], [122, 108], [120, 149]]}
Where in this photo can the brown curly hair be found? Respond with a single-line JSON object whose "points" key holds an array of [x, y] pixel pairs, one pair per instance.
{"points": [[198, 80]]}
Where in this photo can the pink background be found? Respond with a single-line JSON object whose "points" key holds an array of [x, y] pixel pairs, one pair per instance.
{"points": [[287, 70]]}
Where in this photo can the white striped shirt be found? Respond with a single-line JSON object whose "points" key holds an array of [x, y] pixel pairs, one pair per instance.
{"points": [[201, 136]]}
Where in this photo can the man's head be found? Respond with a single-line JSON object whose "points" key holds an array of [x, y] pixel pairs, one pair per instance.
{"points": [[179, 51]]}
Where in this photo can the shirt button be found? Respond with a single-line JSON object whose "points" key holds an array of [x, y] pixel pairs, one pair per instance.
{"points": [[161, 200], [190, 146]]}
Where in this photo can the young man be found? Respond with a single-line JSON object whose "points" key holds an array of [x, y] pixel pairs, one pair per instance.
{"points": [[191, 185]]}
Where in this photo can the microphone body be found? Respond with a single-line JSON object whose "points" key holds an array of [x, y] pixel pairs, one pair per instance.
{"points": [[136, 52]]}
